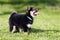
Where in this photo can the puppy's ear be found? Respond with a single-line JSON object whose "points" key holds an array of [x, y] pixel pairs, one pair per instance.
{"points": [[29, 8], [37, 9]]}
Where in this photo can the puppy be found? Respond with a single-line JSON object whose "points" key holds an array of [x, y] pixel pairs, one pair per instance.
{"points": [[22, 21]]}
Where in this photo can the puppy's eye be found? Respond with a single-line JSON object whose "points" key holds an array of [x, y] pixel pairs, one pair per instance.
{"points": [[33, 10]]}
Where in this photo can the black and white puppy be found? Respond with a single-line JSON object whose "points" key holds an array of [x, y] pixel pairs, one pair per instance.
{"points": [[22, 21]]}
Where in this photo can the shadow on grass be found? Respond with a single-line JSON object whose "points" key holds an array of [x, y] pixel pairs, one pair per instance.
{"points": [[33, 30]]}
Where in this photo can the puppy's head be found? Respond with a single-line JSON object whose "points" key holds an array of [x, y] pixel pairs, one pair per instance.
{"points": [[33, 11]]}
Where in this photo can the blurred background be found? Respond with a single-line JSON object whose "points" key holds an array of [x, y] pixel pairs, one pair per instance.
{"points": [[21, 5], [46, 25]]}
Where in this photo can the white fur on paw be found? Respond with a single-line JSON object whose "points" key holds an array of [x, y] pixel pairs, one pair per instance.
{"points": [[13, 29], [20, 29], [26, 33]]}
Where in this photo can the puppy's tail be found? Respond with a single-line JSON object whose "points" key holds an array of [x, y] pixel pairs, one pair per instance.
{"points": [[13, 13]]}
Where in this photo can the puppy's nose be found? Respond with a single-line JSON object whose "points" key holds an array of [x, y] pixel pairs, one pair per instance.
{"points": [[38, 13]]}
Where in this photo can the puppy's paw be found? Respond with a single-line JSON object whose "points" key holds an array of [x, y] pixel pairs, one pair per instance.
{"points": [[26, 33]]}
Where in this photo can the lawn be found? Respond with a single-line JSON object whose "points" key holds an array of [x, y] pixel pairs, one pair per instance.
{"points": [[46, 25]]}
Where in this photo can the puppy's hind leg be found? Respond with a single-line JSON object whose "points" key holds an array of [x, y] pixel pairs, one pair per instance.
{"points": [[17, 29], [10, 27]]}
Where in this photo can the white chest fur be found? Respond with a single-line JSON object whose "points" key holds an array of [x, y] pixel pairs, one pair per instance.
{"points": [[29, 25]]}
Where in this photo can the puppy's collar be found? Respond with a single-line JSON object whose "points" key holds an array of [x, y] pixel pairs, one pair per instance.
{"points": [[29, 18]]}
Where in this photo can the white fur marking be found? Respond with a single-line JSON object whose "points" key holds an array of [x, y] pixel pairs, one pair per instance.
{"points": [[29, 25], [20, 29], [31, 13], [13, 29]]}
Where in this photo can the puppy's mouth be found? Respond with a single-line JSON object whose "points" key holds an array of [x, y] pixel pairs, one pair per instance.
{"points": [[36, 13]]}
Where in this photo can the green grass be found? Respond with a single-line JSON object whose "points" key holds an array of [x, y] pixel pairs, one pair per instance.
{"points": [[46, 26]]}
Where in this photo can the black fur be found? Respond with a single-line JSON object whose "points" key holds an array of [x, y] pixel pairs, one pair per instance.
{"points": [[20, 21]]}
